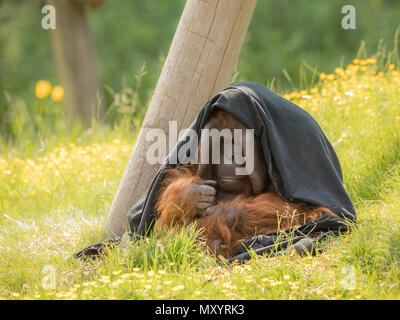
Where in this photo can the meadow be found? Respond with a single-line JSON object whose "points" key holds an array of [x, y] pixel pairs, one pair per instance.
{"points": [[56, 192]]}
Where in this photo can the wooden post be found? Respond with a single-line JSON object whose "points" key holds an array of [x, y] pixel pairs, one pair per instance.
{"points": [[75, 61], [199, 64]]}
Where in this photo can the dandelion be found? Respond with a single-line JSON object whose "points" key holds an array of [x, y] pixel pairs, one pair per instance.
{"points": [[105, 279], [339, 71], [177, 288], [57, 94], [331, 76], [274, 283], [138, 275], [294, 285], [42, 89], [116, 283]]}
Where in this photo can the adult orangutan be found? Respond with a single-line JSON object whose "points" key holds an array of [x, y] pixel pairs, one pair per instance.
{"points": [[294, 181], [229, 207]]}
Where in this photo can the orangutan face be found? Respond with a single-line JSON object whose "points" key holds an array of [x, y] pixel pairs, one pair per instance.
{"points": [[225, 174], [231, 155]]}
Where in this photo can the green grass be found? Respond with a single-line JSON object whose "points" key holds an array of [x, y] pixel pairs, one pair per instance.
{"points": [[54, 201]]}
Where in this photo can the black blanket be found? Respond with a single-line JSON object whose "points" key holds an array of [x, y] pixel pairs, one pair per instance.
{"points": [[301, 162]]}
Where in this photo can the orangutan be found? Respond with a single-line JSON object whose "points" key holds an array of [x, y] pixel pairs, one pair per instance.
{"points": [[227, 206]]}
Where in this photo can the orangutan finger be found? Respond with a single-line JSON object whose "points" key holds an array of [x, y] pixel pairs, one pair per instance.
{"points": [[207, 190], [203, 205], [207, 199], [212, 183]]}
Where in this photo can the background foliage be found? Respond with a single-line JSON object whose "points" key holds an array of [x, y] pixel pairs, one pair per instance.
{"points": [[282, 35]]}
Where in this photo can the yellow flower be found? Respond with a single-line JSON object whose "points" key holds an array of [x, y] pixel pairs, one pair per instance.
{"points": [[322, 76], [331, 76], [42, 89], [177, 288], [372, 60], [57, 94], [105, 279], [391, 66], [339, 71]]}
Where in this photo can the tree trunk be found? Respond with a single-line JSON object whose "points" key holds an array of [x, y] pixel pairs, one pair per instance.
{"points": [[75, 61], [200, 63]]}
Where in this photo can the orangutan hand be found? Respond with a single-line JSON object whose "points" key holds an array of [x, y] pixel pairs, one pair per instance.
{"points": [[204, 195]]}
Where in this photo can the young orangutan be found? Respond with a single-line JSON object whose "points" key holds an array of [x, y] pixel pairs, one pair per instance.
{"points": [[228, 206]]}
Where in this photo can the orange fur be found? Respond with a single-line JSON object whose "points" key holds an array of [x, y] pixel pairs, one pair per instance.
{"points": [[235, 220], [173, 206], [229, 222]]}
